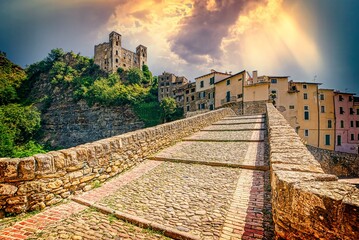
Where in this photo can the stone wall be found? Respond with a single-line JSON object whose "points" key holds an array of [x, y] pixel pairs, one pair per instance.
{"points": [[67, 123], [306, 202], [337, 163], [247, 108], [45, 179]]}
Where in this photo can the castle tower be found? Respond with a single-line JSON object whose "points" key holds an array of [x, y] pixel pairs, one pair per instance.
{"points": [[115, 51], [141, 52]]}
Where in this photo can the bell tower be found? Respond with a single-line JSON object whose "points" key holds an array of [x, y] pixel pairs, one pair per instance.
{"points": [[115, 48]]}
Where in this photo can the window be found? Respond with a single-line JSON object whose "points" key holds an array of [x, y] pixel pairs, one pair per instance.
{"points": [[351, 111], [322, 109], [321, 96], [306, 113], [203, 106], [304, 86], [211, 81], [116, 60], [341, 110], [358, 111], [341, 98], [187, 108], [209, 95], [228, 82], [192, 98], [358, 137], [116, 52], [228, 96], [240, 95], [291, 106], [352, 137], [339, 140], [341, 123], [199, 106], [305, 95], [193, 90], [306, 132], [352, 124], [350, 98], [329, 123], [187, 99], [357, 124], [202, 84], [327, 140], [187, 91], [273, 81], [116, 43]]}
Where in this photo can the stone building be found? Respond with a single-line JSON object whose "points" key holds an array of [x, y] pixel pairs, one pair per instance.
{"points": [[170, 85], [111, 55], [190, 97]]}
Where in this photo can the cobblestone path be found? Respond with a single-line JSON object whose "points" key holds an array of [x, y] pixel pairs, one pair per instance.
{"points": [[211, 185]]}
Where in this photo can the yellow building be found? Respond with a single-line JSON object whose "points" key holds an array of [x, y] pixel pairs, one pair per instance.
{"points": [[327, 119], [230, 89], [205, 89], [307, 111]]}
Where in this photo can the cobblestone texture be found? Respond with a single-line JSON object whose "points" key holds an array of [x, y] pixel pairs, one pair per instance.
{"points": [[239, 121], [227, 136], [91, 224], [191, 198], [227, 152]]}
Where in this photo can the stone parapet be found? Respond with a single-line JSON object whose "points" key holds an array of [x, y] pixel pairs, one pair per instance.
{"points": [[306, 202], [42, 180]]}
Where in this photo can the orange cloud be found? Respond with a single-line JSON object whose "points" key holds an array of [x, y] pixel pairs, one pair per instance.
{"points": [[263, 36]]}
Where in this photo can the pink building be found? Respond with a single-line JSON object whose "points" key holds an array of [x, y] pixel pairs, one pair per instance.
{"points": [[346, 122]]}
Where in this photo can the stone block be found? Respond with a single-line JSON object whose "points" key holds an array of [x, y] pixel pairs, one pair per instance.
{"points": [[16, 200], [26, 168], [44, 164], [7, 189], [55, 184], [8, 169], [59, 160], [31, 187]]}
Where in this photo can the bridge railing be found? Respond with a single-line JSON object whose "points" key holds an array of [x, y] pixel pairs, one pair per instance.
{"points": [[35, 182], [306, 202]]}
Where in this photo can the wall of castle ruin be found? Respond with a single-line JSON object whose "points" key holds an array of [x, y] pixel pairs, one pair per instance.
{"points": [[45, 179], [306, 202]]}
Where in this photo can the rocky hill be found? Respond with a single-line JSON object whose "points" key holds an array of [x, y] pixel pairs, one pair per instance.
{"points": [[61, 87]]}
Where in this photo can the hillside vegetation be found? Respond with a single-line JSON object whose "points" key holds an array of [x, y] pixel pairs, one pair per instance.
{"points": [[20, 120]]}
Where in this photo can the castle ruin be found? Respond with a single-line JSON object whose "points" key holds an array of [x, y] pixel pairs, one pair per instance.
{"points": [[111, 55]]}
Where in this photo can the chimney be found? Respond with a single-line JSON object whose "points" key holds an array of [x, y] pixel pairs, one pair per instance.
{"points": [[212, 70], [255, 76]]}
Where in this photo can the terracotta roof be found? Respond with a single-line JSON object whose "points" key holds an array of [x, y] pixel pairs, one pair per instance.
{"points": [[344, 93], [211, 73], [308, 83], [230, 76]]}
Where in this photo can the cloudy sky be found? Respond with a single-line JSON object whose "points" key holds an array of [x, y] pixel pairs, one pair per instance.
{"points": [[309, 40]]}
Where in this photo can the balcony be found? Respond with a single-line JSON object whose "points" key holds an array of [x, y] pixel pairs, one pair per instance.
{"points": [[228, 100]]}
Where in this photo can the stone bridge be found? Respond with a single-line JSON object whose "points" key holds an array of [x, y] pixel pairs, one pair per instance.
{"points": [[211, 176]]}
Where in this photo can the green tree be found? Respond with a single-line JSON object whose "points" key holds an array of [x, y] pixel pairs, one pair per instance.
{"points": [[135, 76], [147, 75], [17, 125], [168, 107]]}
